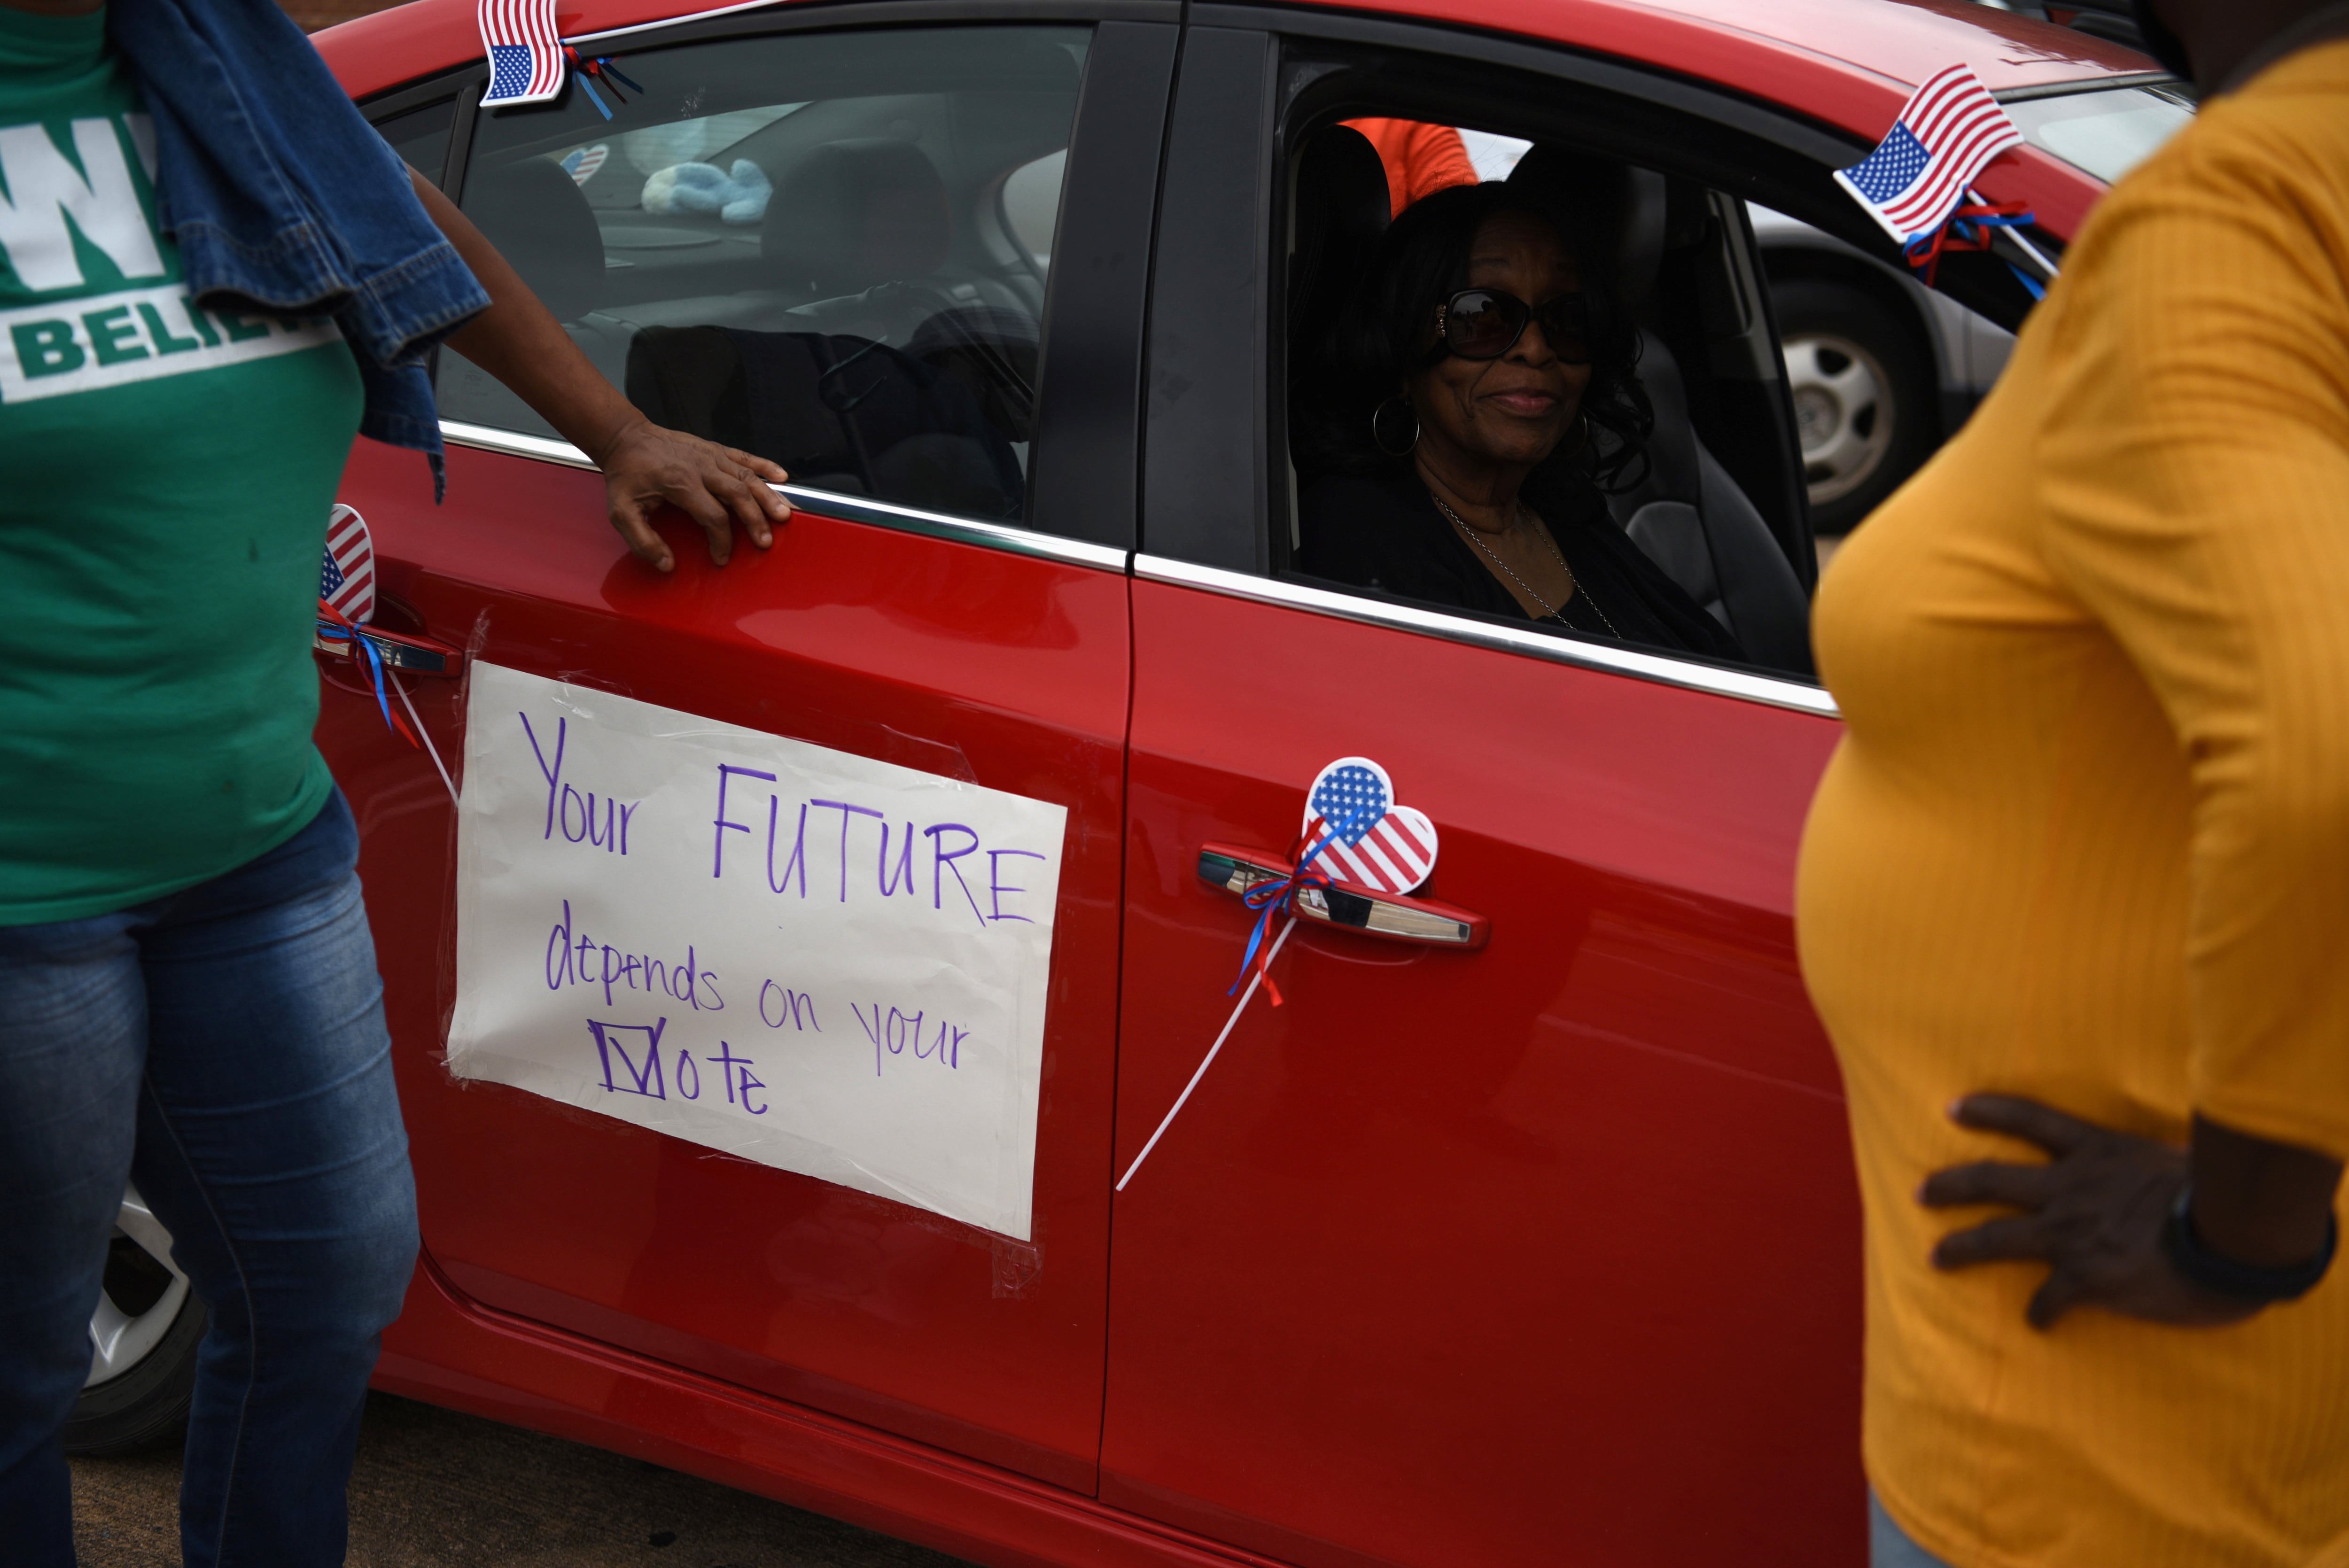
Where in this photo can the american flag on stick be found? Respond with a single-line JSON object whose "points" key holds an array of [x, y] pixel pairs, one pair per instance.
{"points": [[1946, 131], [347, 579], [525, 52]]}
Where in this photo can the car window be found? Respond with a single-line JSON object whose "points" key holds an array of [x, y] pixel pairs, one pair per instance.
{"points": [[1032, 205], [2107, 133], [1652, 503], [421, 137], [830, 250]]}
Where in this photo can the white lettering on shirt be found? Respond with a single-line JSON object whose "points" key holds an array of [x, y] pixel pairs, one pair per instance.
{"points": [[45, 189], [136, 335]]}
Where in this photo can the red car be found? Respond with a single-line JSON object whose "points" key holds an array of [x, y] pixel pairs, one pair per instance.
{"points": [[1525, 1230]]}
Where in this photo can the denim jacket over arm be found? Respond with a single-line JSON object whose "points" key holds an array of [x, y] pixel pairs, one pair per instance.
{"points": [[283, 201]]}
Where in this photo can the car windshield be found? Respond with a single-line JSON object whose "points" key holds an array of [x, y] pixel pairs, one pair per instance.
{"points": [[2106, 133]]}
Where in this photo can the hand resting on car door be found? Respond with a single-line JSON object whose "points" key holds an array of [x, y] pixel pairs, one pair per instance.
{"points": [[645, 466]]}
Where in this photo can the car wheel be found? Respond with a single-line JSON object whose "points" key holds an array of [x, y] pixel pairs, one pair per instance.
{"points": [[1863, 388], [143, 1339]]}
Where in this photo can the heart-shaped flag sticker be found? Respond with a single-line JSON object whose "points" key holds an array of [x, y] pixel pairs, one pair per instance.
{"points": [[347, 574], [1373, 845], [583, 164]]}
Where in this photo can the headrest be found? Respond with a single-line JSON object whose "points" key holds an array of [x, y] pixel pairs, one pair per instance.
{"points": [[854, 213], [1619, 210], [1341, 211], [539, 220], [1342, 192]]}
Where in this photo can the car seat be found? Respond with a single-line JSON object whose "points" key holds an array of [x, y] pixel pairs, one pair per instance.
{"points": [[892, 389], [1686, 511], [854, 213], [1339, 209], [539, 220], [1342, 210]]}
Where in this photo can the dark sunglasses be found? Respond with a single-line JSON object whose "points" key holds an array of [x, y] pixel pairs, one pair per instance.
{"points": [[1485, 324]]}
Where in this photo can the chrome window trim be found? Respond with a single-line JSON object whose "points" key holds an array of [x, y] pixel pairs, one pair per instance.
{"points": [[2080, 85], [826, 503], [626, 29], [1744, 684], [514, 444], [1661, 669]]}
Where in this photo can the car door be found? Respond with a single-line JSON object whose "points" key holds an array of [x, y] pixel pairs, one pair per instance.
{"points": [[1538, 1251], [951, 207]]}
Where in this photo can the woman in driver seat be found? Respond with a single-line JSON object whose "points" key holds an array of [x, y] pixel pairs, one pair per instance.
{"points": [[1476, 394]]}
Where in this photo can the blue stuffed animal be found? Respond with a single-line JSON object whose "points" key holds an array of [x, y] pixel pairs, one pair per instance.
{"points": [[738, 198]]}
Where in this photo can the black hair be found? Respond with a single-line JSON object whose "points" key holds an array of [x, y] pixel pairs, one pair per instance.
{"points": [[1375, 345]]}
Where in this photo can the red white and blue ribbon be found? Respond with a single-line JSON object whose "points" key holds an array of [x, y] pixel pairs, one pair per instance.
{"points": [[1919, 183], [1970, 228], [333, 626], [593, 69], [1352, 820]]}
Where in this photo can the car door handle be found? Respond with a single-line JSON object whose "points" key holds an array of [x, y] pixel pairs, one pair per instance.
{"points": [[398, 651], [1236, 871]]}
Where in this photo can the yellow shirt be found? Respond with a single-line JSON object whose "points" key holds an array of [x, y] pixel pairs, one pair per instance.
{"points": [[2087, 839]]}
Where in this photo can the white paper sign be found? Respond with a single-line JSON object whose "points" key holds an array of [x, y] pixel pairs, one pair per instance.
{"points": [[801, 956]]}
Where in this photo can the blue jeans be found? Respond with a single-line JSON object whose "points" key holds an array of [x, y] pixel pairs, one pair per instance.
{"points": [[225, 1047], [1890, 1546]]}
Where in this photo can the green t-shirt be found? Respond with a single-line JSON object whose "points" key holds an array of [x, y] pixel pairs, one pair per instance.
{"points": [[165, 476]]}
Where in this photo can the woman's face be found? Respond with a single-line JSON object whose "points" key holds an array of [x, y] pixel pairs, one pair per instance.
{"points": [[1512, 411]]}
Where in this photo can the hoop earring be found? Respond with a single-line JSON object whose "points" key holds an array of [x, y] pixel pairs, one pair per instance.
{"points": [[1581, 445], [1382, 422]]}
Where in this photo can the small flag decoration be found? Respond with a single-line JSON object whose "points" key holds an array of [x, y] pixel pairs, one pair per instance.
{"points": [[583, 164], [1356, 832], [1949, 129], [526, 59], [346, 577]]}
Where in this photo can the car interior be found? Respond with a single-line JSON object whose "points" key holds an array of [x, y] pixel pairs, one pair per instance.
{"points": [[1679, 258], [851, 284], [834, 253]]}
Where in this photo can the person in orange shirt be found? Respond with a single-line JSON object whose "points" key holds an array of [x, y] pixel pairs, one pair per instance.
{"points": [[2074, 889], [1420, 159]]}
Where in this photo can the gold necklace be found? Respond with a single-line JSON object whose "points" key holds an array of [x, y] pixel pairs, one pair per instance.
{"points": [[1547, 614]]}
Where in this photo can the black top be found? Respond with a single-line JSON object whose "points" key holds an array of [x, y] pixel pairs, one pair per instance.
{"points": [[1387, 534]]}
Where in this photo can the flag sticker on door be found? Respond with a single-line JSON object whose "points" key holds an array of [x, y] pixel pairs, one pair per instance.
{"points": [[800, 956], [1360, 836]]}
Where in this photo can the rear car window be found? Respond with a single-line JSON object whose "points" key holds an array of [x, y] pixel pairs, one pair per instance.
{"points": [[830, 250], [2107, 133], [421, 137]]}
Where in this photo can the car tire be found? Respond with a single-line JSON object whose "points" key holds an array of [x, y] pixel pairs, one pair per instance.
{"points": [[144, 1340], [1865, 394]]}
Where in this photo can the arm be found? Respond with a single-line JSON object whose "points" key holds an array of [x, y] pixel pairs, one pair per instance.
{"points": [[518, 341], [2196, 452], [2095, 1210]]}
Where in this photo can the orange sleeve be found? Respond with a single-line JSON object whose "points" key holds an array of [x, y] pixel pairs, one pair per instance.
{"points": [[1419, 159], [1436, 159]]}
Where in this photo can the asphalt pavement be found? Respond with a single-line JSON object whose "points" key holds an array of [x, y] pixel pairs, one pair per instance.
{"points": [[433, 1488]]}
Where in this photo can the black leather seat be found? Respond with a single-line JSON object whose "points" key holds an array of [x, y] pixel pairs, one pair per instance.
{"points": [[897, 391], [1340, 213], [1687, 514]]}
